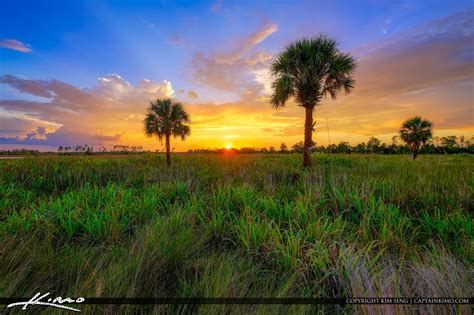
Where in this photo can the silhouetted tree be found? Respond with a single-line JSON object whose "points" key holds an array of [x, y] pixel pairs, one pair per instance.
{"points": [[298, 147], [308, 70], [343, 147], [449, 141], [415, 132], [165, 118], [283, 148], [360, 148], [373, 145]]}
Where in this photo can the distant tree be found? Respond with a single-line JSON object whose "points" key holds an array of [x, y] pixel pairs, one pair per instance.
{"points": [[416, 132], [343, 147], [308, 70], [272, 150], [449, 142], [78, 148], [373, 145], [298, 147], [248, 150], [331, 148], [166, 118], [360, 148], [283, 148], [88, 149]]}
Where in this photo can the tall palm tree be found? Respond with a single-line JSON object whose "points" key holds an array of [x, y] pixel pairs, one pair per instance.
{"points": [[165, 118], [309, 70], [415, 132]]}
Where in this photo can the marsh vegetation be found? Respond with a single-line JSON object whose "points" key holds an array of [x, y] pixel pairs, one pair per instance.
{"points": [[238, 226]]}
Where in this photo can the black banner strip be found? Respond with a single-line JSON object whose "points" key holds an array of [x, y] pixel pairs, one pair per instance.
{"points": [[269, 301]]}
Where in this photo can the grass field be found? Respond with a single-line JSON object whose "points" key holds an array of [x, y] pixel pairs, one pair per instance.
{"points": [[239, 226]]}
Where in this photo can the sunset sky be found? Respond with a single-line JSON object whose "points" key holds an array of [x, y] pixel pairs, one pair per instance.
{"points": [[77, 72]]}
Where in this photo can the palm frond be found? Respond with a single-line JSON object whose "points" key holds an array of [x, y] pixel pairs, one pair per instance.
{"points": [[166, 117], [282, 90], [310, 69], [416, 131]]}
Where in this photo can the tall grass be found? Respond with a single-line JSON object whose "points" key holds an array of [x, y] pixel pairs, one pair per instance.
{"points": [[238, 226]]}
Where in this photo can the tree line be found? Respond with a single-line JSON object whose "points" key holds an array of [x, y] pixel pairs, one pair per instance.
{"points": [[437, 145]]}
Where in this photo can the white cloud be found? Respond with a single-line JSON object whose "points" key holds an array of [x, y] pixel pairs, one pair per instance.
{"points": [[264, 77], [114, 87]]}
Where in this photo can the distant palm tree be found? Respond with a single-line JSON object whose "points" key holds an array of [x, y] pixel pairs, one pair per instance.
{"points": [[415, 132], [310, 69], [165, 118]]}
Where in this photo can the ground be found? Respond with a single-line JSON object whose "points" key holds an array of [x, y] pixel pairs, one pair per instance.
{"points": [[238, 226]]}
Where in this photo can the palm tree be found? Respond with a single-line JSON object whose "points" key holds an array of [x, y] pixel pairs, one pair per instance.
{"points": [[164, 118], [415, 132], [309, 70]]}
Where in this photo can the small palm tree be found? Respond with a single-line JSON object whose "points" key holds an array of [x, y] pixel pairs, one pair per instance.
{"points": [[415, 132], [165, 118], [309, 70]]}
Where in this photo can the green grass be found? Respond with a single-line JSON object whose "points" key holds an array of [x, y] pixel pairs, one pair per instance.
{"points": [[238, 226]]}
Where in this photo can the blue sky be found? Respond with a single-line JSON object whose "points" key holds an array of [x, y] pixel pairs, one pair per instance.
{"points": [[187, 43]]}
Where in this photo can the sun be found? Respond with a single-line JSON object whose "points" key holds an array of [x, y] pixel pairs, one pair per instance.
{"points": [[228, 146]]}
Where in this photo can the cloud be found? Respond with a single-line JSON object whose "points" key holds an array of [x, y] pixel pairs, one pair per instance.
{"points": [[246, 44], [238, 70], [71, 115], [248, 73], [193, 94], [39, 133], [114, 87], [14, 44], [428, 70], [60, 137]]}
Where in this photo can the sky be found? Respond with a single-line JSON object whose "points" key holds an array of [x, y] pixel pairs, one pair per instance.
{"points": [[84, 72]]}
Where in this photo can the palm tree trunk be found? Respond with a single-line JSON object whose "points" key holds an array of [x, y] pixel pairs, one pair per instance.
{"points": [[308, 136], [168, 157], [415, 147]]}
